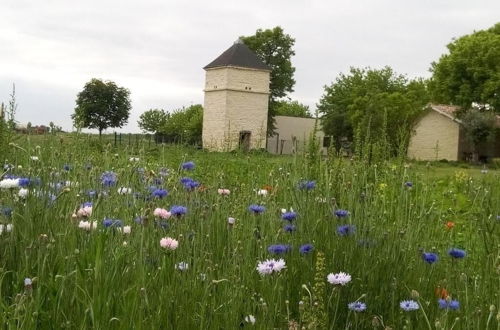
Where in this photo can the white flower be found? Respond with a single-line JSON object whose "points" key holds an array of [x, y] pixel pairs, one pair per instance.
{"points": [[28, 282], [9, 183], [133, 159], [182, 266], [34, 158], [87, 225], [231, 220], [85, 211], [285, 210], [262, 192], [9, 227], [127, 229], [124, 191], [269, 266], [124, 243], [250, 319], [23, 193], [339, 278]]}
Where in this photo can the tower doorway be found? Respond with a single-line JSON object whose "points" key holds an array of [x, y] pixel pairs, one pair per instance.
{"points": [[244, 141]]}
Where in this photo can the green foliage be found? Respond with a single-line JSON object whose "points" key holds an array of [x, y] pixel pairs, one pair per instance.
{"points": [[292, 109], [368, 100], [152, 120], [274, 48], [184, 125], [12, 109], [479, 126], [470, 72], [102, 105]]}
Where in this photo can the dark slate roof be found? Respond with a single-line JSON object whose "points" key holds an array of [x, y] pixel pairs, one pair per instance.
{"points": [[238, 55]]}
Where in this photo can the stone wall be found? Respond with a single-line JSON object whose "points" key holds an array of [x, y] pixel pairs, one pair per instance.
{"points": [[435, 137]]}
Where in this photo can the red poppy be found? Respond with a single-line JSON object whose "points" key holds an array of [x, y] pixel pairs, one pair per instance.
{"points": [[450, 224]]}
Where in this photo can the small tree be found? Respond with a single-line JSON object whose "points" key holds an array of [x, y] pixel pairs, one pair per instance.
{"points": [[479, 127], [292, 109], [101, 105], [153, 120]]}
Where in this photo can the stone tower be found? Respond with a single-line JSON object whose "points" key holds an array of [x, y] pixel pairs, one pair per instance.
{"points": [[236, 100]]}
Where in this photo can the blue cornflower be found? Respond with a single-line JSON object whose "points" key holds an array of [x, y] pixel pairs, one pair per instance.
{"points": [[429, 257], [357, 306], [346, 230], [23, 182], [289, 228], [341, 213], [159, 193], [188, 166], [157, 181], [189, 184], [86, 204], [112, 223], [306, 248], [306, 185], [445, 304], [289, 216], [409, 184], [139, 220], [66, 167], [409, 305], [256, 209], [178, 210], [108, 178], [92, 193], [6, 211], [457, 253], [278, 248]]}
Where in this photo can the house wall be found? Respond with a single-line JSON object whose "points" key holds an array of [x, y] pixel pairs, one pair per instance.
{"points": [[236, 99], [435, 137], [292, 134]]}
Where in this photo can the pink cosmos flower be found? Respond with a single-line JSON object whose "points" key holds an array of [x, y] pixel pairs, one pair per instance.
{"points": [[161, 213], [223, 191], [169, 243]]}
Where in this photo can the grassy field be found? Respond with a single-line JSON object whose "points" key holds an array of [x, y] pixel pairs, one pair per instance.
{"points": [[420, 244]]}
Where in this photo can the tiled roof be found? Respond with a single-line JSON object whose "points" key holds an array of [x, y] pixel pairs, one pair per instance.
{"points": [[238, 55]]}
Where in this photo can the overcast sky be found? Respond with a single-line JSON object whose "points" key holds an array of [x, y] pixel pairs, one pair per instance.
{"points": [[157, 49]]}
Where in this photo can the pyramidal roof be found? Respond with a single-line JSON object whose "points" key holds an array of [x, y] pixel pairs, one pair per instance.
{"points": [[238, 55]]}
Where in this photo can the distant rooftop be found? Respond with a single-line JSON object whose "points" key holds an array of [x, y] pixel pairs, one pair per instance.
{"points": [[238, 55]]}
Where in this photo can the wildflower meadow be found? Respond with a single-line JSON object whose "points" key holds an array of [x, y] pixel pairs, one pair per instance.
{"points": [[169, 237]]}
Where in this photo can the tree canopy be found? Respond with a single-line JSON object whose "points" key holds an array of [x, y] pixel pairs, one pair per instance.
{"points": [[274, 48], [292, 109], [153, 120], [102, 104], [369, 101], [183, 125], [470, 72]]}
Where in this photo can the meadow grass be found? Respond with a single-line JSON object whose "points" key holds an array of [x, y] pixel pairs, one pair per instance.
{"points": [[107, 279]]}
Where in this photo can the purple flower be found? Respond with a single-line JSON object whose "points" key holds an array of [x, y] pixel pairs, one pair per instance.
{"points": [[6, 211], [429, 257], [67, 167], [306, 248], [306, 185], [188, 166], [357, 306], [278, 248], [112, 223], [159, 193], [445, 304], [256, 209], [289, 228], [108, 179], [178, 210], [189, 184], [23, 182], [346, 230], [289, 216], [341, 213], [409, 184], [457, 253]]}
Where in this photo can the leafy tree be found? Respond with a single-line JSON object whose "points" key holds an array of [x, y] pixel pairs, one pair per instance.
{"points": [[378, 103], [292, 109], [152, 120], [184, 125], [274, 48], [470, 72], [101, 105], [479, 127]]}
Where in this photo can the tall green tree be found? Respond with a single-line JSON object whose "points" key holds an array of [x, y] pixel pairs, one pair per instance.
{"points": [[292, 109], [184, 125], [153, 120], [274, 48], [369, 101], [100, 105], [470, 71]]}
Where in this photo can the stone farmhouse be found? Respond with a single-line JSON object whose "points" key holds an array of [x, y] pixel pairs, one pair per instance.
{"points": [[235, 107], [438, 135]]}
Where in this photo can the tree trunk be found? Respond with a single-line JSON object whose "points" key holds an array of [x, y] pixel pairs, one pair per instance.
{"points": [[100, 133]]}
